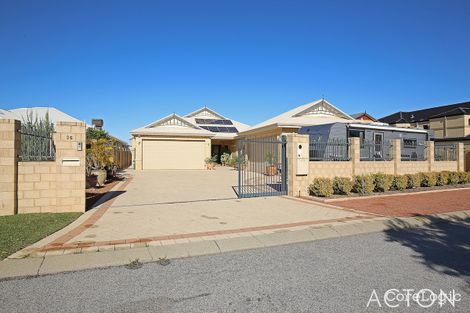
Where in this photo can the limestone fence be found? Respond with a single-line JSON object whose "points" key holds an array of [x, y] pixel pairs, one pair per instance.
{"points": [[56, 185], [298, 182]]}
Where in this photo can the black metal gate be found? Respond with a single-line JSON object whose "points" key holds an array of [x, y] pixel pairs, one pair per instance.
{"points": [[262, 167]]}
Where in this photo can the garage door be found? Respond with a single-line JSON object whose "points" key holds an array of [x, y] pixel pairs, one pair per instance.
{"points": [[173, 155]]}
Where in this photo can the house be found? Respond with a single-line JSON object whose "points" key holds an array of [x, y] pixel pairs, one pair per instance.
{"points": [[22, 114], [447, 121], [328, 125], [363, 116], [184, 142], [450, 123]]}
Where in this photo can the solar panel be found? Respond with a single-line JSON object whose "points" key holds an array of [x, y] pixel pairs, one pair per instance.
{"points": [[220, 129], [213, 122]]}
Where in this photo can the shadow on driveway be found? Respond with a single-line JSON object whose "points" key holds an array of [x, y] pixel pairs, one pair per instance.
{"points": [[441, 245]]}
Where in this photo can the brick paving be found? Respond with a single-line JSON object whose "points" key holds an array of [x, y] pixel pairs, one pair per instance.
{"points": [[404, 205], [141, 216]]}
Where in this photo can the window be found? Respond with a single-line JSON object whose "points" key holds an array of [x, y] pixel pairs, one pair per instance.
{"points": [[427, 126], [354, 133], [410, 143], [469, 122]]}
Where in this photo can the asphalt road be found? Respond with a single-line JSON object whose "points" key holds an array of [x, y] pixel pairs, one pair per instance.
{"points": [[336, 275]]}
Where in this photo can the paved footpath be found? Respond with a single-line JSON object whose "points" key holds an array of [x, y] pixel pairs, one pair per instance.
{"points": [[146, 252], [333, 275]]}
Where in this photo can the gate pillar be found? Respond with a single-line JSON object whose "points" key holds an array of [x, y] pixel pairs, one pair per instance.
{"points": [[298, 180]]}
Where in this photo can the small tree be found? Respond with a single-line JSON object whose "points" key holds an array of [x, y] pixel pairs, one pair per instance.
{"points": [[100, 153]]}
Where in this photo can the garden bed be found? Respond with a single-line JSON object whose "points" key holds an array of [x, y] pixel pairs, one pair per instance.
{"points": [[417, 190], [95, 193]]}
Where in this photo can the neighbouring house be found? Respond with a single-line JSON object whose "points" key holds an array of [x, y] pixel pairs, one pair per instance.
{"points": [[320, 140], [184, 142], [364, 116], [327, 126], [450, 123], [42, 166]]}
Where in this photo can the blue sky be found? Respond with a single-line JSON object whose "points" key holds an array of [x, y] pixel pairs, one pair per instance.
{"points": [[132, 62]]}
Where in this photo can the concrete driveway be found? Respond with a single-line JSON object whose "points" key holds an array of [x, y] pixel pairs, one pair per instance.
{"points": [[167, 207], [153, 187]]}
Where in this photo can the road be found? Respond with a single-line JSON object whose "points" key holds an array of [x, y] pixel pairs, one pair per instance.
{"points": [[336, 275]]}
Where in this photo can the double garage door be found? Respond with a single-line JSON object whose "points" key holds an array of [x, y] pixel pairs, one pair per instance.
{"points": [[173, 154]]}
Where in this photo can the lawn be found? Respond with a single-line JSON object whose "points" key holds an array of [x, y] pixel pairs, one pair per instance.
{"points": [[19, 231]]}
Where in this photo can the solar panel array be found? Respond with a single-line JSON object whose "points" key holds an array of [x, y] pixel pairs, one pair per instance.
{"points": [[213, 122], [221, 129]]}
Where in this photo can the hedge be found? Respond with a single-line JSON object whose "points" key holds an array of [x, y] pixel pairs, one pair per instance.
{"points": [[342, 185], [321, 187], [380, 182]]}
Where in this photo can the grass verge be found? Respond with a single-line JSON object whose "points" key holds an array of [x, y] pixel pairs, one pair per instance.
{"points": [[19, 231]]}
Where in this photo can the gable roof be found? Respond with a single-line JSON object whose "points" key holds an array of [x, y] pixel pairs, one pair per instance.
{"points": [[175, 125], [313, 113], [5, 114], [358, 115], [205, 112], [426, 114], [172, 125], [39, 112]]}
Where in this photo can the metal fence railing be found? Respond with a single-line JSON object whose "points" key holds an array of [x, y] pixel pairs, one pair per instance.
{"points": [[331, 150], [373, 151], [445, 152], [414, 151], [37, 143]]}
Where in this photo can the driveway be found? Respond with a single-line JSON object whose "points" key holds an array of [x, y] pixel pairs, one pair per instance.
{"points": [[169, 206], [155, 187]]}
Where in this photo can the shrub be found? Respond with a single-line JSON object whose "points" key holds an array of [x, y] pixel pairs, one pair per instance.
{"points": [[363, 184], [464, 178], [442, 178], [428, 179], [399, 182], [342, 185], [321, 187], [414, 180], [454, 178], [382, 182]]}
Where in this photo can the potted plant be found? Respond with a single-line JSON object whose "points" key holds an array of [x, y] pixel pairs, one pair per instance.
{"points": [[210, 162], [99, 156], [224, 158], [241, 162], [271, 167]]}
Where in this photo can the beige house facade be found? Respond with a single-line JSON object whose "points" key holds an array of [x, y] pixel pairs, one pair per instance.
{"points": [[184, 142]]}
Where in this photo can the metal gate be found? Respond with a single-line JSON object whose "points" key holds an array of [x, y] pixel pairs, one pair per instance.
{"points": [[262, 167]]}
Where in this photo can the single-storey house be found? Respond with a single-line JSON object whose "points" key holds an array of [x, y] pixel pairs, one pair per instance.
{"points": [[184, 142], [326, 123]]}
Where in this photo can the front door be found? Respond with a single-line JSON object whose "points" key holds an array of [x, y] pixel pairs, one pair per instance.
{"points": [[378, 145], [215, 151]]}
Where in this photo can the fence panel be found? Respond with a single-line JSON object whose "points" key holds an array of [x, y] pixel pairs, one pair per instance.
{"points": [[331, 150], [445, 152], [37, 143], [372, 151], [416, 152]]}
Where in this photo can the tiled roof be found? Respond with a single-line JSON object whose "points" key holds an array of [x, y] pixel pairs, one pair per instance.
{"points": [[426, 114], [188, 126]]}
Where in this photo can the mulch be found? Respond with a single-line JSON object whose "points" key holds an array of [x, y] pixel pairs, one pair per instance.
{"points": [[94, 194], [403, 205]]}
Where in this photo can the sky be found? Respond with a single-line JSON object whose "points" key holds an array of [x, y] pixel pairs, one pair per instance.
{"points": [[134, 62]]}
